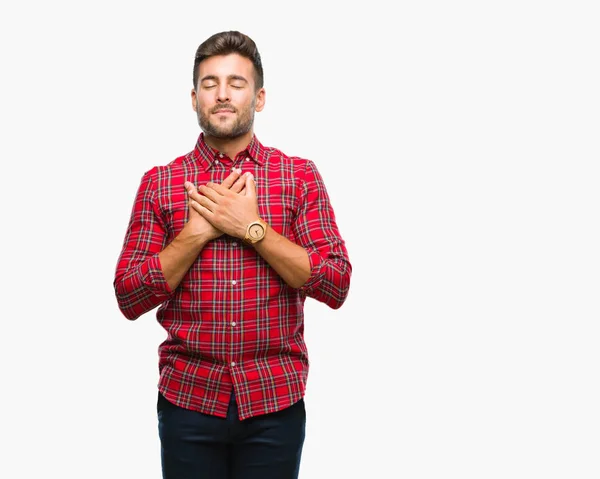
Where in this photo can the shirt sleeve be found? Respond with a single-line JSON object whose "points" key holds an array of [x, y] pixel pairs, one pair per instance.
{"points": [[316, 230], [139, 282]]}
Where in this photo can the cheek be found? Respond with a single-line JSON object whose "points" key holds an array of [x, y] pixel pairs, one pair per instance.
{"points": [[203, 110], [203, 102], [243, 100], [246, 104]]}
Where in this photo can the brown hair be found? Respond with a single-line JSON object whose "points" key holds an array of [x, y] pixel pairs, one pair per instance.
{"points": [[225, 43]]}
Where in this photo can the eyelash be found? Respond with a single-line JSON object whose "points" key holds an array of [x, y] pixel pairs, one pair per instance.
{"points": [[237, 87]]}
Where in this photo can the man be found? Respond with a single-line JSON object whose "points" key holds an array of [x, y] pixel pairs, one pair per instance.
{"points": [[229, 240]]}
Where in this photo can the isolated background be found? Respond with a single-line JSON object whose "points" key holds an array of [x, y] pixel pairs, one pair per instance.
{"points": [[459, 144]]}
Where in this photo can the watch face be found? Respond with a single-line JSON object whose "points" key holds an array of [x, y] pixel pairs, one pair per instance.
{"points": [[256, 231]]}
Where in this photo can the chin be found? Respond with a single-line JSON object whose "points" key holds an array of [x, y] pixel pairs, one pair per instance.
{"points": [[223, 134], [225, 131]]}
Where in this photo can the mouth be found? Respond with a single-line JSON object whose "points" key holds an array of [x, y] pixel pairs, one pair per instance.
{"points": [[223, 112]]}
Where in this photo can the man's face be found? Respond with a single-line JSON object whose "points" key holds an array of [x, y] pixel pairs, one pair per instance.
{"points": [[225, 97]]}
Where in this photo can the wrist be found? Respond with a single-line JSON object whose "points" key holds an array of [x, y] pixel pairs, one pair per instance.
{"points": [[191, 240], [255, 232]]}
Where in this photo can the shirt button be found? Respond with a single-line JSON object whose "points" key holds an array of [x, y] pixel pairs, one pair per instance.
{"points": [[247, 159], [234, 282], [233, 323], [220, 155], [234, 243], [232, 364]]}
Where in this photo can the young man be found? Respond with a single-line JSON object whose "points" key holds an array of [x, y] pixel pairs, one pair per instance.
{"points": [[229, 240]]}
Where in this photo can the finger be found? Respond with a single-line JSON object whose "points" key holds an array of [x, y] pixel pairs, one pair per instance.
{"points": [[215, 189], [189, 186], [201, 209], [209, 191], [250, 186], [240, 183], [204, 201], [195, 197], [192, 193], [232, 178], [191, 190]]}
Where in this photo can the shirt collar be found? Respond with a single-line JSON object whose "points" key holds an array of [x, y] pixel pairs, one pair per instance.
{"points": [[206, 155]]}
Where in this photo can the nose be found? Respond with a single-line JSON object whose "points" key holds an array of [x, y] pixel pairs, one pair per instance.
{"points": [[223, 93]]}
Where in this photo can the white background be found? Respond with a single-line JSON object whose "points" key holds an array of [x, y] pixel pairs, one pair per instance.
{"points": [[459, 144]]}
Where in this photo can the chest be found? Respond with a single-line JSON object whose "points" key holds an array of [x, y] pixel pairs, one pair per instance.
{"points": [[278, 196]]}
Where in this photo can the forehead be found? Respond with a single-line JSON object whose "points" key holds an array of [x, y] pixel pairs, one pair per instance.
{"points": [[226, 65]]}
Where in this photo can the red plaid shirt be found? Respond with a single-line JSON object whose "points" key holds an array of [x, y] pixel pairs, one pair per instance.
{"points": [[233, 324]]}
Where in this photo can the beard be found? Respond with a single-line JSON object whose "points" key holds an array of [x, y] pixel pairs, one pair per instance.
{"points": [[225, 129]]}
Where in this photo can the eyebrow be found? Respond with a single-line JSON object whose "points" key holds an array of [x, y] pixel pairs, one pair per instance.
{"points": [[230, 77]]}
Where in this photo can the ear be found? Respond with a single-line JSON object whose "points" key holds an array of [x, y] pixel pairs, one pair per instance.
{"points": [[194, 101], [260, 99]]}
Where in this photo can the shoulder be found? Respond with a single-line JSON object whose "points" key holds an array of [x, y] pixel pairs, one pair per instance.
{"points": [[276, 158], [157, 172]]}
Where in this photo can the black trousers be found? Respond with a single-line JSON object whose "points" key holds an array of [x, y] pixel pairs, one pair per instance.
{"points": [[200, 446]]}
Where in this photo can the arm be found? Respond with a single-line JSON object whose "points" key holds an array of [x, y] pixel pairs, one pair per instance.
{"points": [[232, 213], [182, 252], [147, 271], [318, 264], [139, 282], [316, 230], [288, 259]]}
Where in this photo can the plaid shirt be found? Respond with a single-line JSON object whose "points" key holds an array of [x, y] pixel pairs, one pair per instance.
{"points": [[233, 324]]}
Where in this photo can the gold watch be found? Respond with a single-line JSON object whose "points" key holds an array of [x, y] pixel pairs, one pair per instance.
{"points": [[255, 231]]}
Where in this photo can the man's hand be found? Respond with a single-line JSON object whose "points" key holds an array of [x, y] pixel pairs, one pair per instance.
{"points": [[224, 208], [197, 225]]}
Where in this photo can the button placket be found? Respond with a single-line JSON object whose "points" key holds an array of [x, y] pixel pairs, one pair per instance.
{"points": [[235, 293]]}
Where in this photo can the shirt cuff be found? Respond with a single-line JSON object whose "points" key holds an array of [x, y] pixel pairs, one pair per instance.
{"points": [[316, 273], [152, 277]]}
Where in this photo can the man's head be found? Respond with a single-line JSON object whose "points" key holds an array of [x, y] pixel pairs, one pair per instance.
{"points": [[228, 85], [225, 43]]}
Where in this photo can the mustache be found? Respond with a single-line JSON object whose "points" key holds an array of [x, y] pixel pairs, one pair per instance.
{"points": [[223, 107]]}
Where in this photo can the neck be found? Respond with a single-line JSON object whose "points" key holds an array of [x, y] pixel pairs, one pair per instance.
{"points": [[229, 146]]}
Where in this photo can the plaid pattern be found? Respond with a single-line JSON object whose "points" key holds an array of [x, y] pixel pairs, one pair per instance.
{"points": [[232, 323]]}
